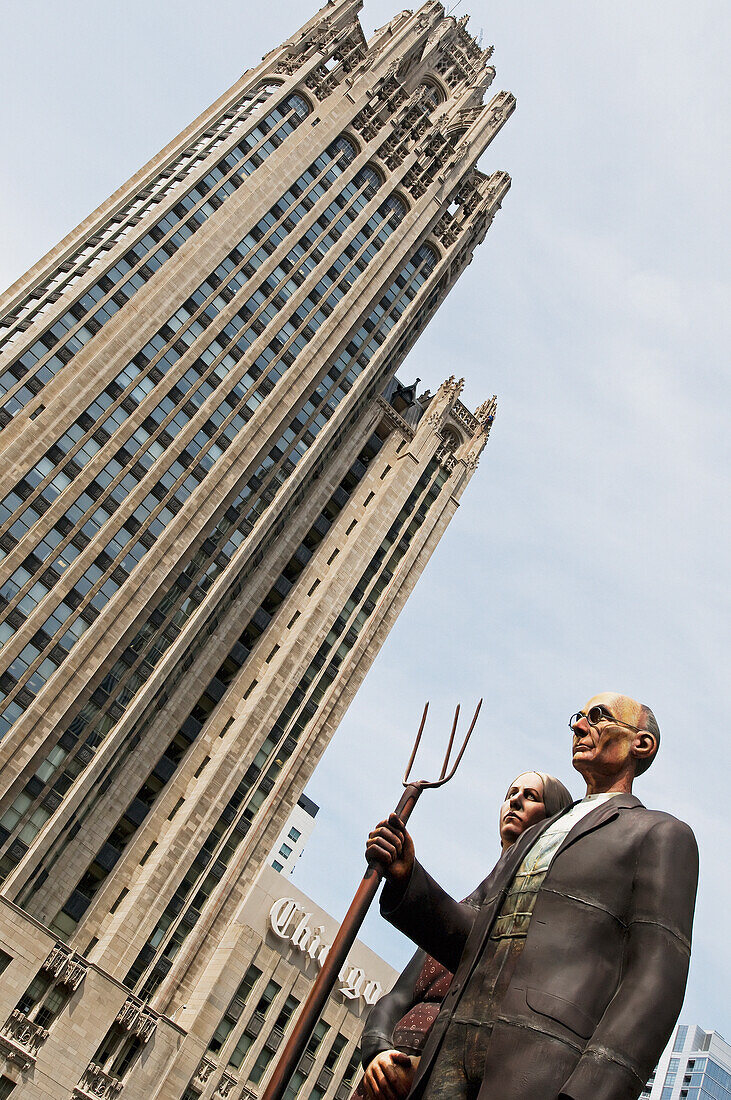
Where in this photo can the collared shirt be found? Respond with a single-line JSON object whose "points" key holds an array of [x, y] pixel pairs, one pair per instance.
{"points": [[517, 909]]}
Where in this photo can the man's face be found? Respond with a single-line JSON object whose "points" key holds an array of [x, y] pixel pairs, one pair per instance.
{"points": [[605, 749], [523, 807]]}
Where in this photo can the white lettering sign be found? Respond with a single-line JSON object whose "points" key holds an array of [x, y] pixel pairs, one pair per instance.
{"points": [[289, 922]]}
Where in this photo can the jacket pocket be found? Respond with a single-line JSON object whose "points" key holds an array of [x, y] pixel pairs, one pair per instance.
{"points": [[565, 1012]]}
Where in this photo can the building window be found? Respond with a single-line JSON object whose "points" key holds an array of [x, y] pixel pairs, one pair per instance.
{"points": [[352, 1069], [117, 1052], [258, 1069], [338, 1045], [118, 901], [43, 1001], [321, 1030], [5, 960], [285, 851], [277, 865], [294, 834], [6, 1087], [680, 1036], [235, 1009]]}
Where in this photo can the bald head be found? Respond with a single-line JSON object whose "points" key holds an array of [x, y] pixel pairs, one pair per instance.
{"points": [[615, 738]]}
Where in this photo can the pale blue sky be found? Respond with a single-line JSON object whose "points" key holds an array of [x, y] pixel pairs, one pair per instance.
{"points": [[589, 552]]}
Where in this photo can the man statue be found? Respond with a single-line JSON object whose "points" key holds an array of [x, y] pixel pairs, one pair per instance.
{"points": [[570, 977]]}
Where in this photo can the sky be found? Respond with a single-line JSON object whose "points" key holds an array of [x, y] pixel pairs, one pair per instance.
{"points": [[588, 552]]}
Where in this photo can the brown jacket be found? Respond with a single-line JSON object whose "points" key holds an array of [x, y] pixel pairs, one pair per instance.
{"points": [[601, 978]]}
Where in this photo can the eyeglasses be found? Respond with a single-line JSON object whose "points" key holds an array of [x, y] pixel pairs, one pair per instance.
{"points": [[598, 714]]}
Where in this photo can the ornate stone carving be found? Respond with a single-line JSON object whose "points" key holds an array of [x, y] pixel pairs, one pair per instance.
{"points": [[321, 82], [95, 1083], [445, 457], [289, 65], [224, 1086], [485, 413], [135, 1017], [462, 413], [66, 968], [397, 420], [201, 1075], [20, 1039]]}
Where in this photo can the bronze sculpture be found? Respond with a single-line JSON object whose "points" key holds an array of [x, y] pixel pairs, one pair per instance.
{"points": [[570, 978], [398, 1024], [364, 895]]}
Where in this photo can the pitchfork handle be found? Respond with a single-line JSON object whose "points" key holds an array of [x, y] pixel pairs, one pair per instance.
{"points": [[333, 964]]}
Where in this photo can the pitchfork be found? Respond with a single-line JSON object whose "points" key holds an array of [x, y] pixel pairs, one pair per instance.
{"points": [[355, 916]]}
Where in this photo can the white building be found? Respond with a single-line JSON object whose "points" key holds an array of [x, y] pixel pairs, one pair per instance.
{"points": [[696, 1065], [296, 832]]}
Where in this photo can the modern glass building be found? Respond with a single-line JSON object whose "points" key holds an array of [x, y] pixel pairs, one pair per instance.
{"points": [[215, 499], [696, 1066]]}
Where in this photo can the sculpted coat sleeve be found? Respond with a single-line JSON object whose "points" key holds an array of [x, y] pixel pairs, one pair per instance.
{"points": [[639, 1019], [388, 1010], [430, 917]]}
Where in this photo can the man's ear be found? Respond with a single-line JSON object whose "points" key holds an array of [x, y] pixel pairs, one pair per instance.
{"points": [[644, 745]]}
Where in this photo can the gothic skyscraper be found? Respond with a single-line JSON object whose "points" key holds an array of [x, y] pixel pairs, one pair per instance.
{"points": [[215, 498]]}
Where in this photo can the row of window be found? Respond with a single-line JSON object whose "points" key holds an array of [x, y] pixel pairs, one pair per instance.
{"points": [[124, 546], [48, 786], [54, 473], [126, 828], [121, 224], [45, 999], [261, 1015], [353, 360], [184, 909], [104, 298], [45, 790]]}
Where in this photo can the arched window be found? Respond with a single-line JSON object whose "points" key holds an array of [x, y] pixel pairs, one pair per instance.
{"points": [[344, 150], [297, 103], [369, 178], [260, 94], [426, 259], [452, 438], [430, 95], [394, 209]]}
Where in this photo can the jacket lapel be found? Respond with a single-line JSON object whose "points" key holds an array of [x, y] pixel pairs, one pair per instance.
{"points": [[511, 860], [604, 813], [508, 864]]}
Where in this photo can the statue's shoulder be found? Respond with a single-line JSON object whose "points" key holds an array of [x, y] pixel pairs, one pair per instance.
{"points": [[663, 824]]}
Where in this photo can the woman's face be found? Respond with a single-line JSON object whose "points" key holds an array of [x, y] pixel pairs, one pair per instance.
{"points": [[523, 807]]}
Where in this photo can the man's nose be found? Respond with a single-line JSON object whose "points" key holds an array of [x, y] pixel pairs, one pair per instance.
{"points": [[582, 726]]}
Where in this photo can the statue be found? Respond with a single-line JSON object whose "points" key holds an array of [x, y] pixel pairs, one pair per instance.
{"points": [[399, 1023], [569, 979]]}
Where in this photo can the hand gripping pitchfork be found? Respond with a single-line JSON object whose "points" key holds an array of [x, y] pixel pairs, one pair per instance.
{"points": [[359, 906]]}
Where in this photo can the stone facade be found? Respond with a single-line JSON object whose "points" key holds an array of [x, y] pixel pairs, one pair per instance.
{"points": [[272, 945], [201, 556]]}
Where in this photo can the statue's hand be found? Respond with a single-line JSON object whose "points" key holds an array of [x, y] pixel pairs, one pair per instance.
{"points": [[391, 848], [389, 1076]]}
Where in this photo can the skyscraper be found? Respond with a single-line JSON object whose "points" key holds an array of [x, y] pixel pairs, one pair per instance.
{"points": [[201, 556], [695, 1066]]}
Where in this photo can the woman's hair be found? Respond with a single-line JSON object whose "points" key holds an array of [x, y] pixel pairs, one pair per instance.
{"points": [[556, 797]]}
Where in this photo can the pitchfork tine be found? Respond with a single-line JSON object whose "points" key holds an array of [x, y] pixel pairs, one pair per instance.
{"points": [[416, 744], [449, 746], [464, 744]]}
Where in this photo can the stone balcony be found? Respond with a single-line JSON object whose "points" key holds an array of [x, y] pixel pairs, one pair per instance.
{"points": [[95, 1084], [20, 1039]]}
